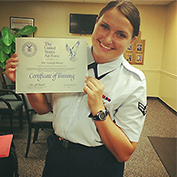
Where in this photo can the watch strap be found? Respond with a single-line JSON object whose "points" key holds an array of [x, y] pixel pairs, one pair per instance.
{"points": [[96, 117]]}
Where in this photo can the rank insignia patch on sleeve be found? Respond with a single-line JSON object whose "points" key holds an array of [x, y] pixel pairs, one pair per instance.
{"points": [[142, 108]]}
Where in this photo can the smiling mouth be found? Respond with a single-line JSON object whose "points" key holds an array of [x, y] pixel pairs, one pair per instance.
{"points": [[105, 47]]}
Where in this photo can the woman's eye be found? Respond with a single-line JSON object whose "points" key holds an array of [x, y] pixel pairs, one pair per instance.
{"points": [[121, 35], [105, 26]]}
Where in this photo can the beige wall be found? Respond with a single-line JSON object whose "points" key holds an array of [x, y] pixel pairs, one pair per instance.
{"points": [[152, 30], [51, 18], [168, 77], [157, 28]]}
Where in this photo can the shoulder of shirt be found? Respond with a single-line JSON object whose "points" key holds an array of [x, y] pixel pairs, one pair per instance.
{"points": [[134, 70]]}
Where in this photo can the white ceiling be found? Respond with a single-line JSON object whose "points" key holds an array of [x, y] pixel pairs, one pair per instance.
{"points": [[153, 2], [137, 2]]}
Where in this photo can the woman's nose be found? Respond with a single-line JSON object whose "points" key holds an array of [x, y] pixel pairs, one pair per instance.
{"points": [[109, 38]]}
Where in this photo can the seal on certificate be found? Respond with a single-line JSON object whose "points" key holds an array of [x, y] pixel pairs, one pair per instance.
{"points": [[29, 49]]}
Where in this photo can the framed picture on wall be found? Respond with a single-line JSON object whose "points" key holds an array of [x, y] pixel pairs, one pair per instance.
{"points": [[139, 58], [129, 57], [130, 48], [135, 52], [139, 47], [20, 22]]}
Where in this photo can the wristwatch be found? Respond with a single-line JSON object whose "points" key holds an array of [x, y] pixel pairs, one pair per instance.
{"points": [[100, 116]]}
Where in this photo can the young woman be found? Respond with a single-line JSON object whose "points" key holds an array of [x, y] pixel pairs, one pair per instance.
{"points": [[93, 137]]}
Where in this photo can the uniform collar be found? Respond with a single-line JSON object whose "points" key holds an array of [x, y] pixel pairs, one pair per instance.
{"points": [[105, 67]]}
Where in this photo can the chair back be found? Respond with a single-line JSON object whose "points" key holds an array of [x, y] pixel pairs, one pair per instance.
{"points": [[30, 111], [1, 84], [7, 83]]}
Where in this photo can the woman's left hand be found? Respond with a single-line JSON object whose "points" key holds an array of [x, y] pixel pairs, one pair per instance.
{"points": [[112, 136], [94, 89]]}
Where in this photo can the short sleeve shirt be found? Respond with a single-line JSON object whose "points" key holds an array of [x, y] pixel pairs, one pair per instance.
{"points": [[124, 85]]}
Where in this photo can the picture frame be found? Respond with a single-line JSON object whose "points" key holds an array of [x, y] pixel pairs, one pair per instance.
{"points": [[135, 52], [139, 58], [129, 57], [130, 48], [139, 47], [20, 22]]}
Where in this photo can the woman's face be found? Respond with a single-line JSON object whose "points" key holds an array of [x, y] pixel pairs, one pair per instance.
{"points": [[111, 37]]}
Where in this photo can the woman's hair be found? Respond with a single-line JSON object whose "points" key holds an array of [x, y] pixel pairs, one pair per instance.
{"points": [[128, 9]]}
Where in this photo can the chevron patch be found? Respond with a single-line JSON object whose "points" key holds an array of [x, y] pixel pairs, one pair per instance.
{"points": [[142, 108]]}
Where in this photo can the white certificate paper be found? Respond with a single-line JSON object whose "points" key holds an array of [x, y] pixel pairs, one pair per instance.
{"points": [[49, 65]]}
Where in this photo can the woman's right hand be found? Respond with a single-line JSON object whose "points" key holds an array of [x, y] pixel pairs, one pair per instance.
{"points": [[10, 67]]}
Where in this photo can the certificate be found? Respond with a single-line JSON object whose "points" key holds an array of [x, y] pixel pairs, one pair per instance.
{"points": [[49, 65]]}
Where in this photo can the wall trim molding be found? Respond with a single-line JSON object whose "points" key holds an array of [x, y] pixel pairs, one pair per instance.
{"points": [[160, 72], [151, 70], [165, 104], [168, 74]]}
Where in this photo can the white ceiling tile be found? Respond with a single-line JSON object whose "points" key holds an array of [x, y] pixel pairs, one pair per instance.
{"points": [[137, 2], [96, 1], [152, 2], [71, 0], [163, 2]]}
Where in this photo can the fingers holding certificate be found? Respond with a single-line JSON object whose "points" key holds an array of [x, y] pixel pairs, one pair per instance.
{"points": [[50, 65]]}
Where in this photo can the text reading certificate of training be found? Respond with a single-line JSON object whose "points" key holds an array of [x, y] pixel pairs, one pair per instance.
{"points": [[49, 65]]}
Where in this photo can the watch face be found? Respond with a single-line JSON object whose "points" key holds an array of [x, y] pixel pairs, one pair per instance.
{"points": [[102, 115]]}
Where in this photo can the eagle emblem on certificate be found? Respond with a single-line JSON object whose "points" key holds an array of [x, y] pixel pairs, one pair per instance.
{"points": [[73, 51]]}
